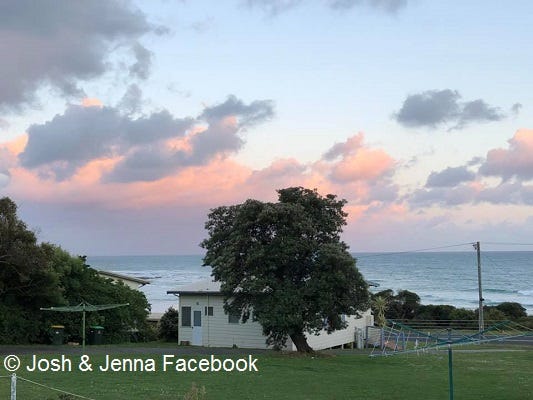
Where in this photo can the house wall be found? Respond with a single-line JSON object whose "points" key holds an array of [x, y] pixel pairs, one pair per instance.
{"points": [[340, 337], [218, 332]]}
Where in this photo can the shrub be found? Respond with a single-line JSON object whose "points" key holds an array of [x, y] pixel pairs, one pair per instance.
{"points": [[168, 325]]}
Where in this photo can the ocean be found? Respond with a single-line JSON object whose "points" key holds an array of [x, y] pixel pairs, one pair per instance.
{"points": [[437, 277]]}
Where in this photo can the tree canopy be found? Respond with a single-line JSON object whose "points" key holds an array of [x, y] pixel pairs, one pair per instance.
{"points": [[284, 265], [35, 275]]}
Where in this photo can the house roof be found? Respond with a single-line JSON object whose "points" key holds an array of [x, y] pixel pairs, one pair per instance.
{"points": [[114, 275], [211, 287], [201, 287]]}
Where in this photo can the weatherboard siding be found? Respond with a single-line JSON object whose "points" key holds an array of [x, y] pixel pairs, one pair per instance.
{"points": [[218, 332], [324, 340]]}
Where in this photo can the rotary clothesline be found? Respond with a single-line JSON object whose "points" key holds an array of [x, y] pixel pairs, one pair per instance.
{"points": [[84, 307]]}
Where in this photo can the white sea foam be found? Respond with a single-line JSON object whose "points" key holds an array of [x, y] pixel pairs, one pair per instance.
{"points": [[438, 278]]}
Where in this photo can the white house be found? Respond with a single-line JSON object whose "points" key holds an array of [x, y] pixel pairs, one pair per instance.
{"points": [[203, 322], [131, 281]]}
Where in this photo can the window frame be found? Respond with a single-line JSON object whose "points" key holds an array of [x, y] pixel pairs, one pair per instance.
{"points": [[186, 316]]}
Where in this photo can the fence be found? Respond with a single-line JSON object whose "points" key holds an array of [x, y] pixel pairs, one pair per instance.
{"points": [[15, 379]]}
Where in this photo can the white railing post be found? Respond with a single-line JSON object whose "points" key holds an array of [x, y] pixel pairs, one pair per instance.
{"points": [[14, 387]]}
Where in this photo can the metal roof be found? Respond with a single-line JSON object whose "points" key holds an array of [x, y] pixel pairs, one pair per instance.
{"points": [[201, 287], [114, 275]]}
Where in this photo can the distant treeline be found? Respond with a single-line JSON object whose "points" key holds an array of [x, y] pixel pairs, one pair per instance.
{"points": [[405, 305]]}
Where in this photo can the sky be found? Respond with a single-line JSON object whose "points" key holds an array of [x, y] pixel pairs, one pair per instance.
{"points": [[123, 123]]}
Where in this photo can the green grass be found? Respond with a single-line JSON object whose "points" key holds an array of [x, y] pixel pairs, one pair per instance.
{"points": [[348, 375]]}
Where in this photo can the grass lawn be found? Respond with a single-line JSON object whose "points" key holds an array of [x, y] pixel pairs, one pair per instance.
{"points": [[347, 375]]}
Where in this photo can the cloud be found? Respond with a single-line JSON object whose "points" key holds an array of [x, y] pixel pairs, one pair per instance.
{"points": [[221, 137], [515, 161], [60, 43], [508, 193], [204, 25], [450, 177], [4, 179], [145, 148], [389, 6], [515, 108], [175, 194], [127, 173], [256, 112], [132, 100], [357, 162], [60, 146], [434, 108], [275, 7], [460, 185], [443, 196], [143, 56]]}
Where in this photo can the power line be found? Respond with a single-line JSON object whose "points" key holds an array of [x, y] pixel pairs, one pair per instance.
{"points": [[508, 244], [413, 251]]}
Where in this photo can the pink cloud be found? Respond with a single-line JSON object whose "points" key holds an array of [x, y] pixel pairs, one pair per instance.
{"points": [[516, 160], [91, 102], [353, 160], [221, 181], [364, 165]]}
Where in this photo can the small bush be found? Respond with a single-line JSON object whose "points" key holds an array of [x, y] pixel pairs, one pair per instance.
{"points": [[168, 325]]}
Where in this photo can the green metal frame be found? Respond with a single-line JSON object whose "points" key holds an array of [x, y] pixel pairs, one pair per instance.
{"points": [[83, 307]]}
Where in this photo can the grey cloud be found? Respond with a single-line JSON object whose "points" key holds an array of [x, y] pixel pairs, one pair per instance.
{"points": [[145, 164], [81, 134], [141, 68], [475, 161], [385, 192], [390, 6], [132, 100], [248, 115], [478, 111], [505, 193], [62, 42], [59, 147], [515, 108], [443, 196], [3, 124], [275, 7], [219, 139], [451, 176], [429, 108], [202, 26], [433, 108]]}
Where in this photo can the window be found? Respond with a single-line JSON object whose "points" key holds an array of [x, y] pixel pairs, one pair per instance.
{"points": [[234, 318], [185, 316], [208, 311]]}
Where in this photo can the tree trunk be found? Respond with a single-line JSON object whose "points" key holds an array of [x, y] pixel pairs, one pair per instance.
{"points": [[300, 341]]}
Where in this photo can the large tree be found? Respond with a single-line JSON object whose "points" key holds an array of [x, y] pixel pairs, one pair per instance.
{"points": [[283, 264]]}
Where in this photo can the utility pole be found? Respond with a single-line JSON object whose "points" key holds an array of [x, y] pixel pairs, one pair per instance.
{"points": [[481, 299]]}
